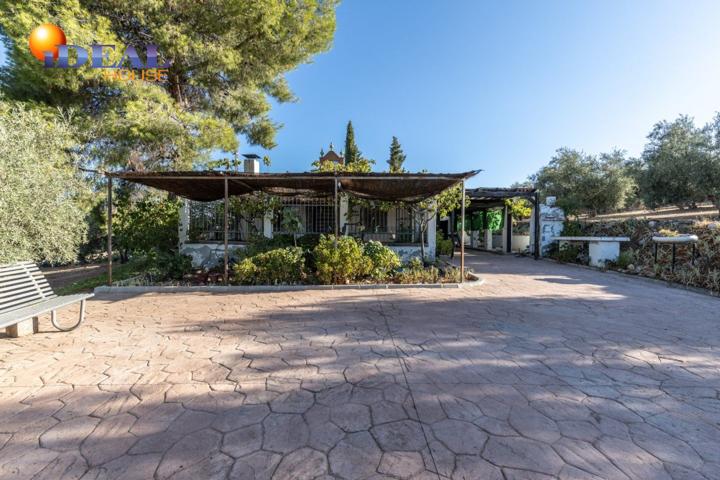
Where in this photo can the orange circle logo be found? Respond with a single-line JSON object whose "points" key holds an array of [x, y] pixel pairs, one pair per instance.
{"points": [[46, 38]]}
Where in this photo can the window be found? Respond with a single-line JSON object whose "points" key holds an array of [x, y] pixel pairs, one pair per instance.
{"points": [[316, 215], [207, 224]]}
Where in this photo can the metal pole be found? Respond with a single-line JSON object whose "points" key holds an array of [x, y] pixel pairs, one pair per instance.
{"points": [[672, 269], [537, 226], [225, 275], [462, 233], [337, 210], [655, 251], [109, 229]]}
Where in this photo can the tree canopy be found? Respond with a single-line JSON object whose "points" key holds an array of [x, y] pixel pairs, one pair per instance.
{"points": [[585, 182], [228, 61], [680, 163]]}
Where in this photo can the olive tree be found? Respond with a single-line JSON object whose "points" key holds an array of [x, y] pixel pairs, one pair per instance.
{"points": [[44, 199]]}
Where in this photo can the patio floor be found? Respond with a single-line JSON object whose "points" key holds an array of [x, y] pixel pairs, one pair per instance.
{"points": [[545, 371]]}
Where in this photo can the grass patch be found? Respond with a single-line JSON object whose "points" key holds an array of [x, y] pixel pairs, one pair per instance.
{"points": [[120, 272]]}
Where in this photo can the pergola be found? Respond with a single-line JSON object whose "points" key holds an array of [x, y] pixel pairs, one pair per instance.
{"points": [[206, 186], [485, 198]]}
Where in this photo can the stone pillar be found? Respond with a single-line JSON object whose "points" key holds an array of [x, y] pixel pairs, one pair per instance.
{"points": [[488, 239]]}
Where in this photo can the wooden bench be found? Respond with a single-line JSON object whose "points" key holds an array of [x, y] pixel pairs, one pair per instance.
{"points": [[25, 295], [602, 249]]}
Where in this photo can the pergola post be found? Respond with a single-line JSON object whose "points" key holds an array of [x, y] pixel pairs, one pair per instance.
{"points": [[109, 229], [337, 207], [225, 236], [536, 212], [462, 233]]}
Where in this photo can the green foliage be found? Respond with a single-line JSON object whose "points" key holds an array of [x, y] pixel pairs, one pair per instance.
{"points": [[43, 198], [148, 224], [255, 206], [572, 228], [520, 208], [569, 253], [164, 265], [680, 163], [229, 60], [624, 260], [397, 157], [292, 224], [443, 246], [352, 152], [278, 266], [585, 183], [344, 264], [382, 259], [416, 272]]}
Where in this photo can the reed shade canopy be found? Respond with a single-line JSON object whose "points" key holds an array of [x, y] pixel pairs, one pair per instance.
{"points": [[206, 186]]}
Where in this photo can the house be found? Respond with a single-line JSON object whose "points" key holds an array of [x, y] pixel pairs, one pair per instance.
{"points": [[395, 225]]}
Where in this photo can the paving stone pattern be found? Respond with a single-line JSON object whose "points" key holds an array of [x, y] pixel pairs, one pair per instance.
{"points": [[547, 371]]}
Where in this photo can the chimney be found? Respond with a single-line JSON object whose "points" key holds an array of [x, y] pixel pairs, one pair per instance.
{"points": [[251, 163]]}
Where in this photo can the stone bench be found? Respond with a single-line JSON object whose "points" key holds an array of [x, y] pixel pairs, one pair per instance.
{"points": [[602, 249], [25, 295]]}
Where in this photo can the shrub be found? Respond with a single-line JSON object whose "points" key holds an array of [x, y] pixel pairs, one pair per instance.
{"points": [[569, 253], [443, 246], [624, 260], [147, 225], [343, 264], [278, 266], [383, 260], [415, 272], [167, 265]]}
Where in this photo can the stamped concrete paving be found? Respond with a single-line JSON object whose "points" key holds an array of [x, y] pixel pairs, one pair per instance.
{"points": [[547, 371]]}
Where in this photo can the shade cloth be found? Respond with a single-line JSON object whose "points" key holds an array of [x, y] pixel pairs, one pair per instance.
{"points": [[210, 185]]}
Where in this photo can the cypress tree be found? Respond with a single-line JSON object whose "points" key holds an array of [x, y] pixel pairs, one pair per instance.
{"points": [[352, 153], [397, 157]]}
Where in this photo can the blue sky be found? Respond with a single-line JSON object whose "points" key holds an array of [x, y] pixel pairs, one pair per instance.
{"points": [[500, 85]]}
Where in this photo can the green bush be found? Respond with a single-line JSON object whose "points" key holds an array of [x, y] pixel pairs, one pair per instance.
{"points": [[568, 253], [146, 225], [167, 265], [415, 272], [278, 266], [343, 264], [443, 246], [383, 260], [624, 260]]}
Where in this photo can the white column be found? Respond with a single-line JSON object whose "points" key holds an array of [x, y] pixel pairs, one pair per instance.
{"points": [[268, 225], [344, 205], [431, 233], [184, 224], [488, 239]]}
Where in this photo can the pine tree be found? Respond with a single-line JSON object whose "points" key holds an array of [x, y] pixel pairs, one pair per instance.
{"points": [[352, 153], [397, 157]]}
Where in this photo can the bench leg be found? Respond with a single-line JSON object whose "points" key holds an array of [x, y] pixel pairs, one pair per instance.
{"points": [[53, 319], [20, 329]]}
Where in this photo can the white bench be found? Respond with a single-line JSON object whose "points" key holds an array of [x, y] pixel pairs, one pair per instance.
{"points": [[25, 295], [602, 249]]}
